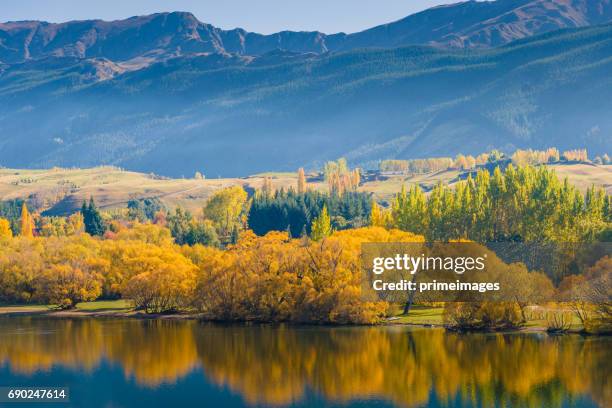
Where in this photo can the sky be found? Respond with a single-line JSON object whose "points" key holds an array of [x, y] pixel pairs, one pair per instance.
{"points": [[263, 16]]}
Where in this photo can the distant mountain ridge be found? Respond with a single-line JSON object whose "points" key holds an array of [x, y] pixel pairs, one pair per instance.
{"points": [[139, 41], [169, 94], [234, 115]]}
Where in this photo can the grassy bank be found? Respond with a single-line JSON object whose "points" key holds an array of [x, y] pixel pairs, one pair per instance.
{"points": [[101, 306], [419, 315]]}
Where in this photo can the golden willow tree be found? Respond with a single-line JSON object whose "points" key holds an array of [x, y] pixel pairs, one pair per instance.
{"points": [[270, 278]]}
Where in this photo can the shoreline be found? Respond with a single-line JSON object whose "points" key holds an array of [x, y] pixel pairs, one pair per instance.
{"points": [[11, 312]]}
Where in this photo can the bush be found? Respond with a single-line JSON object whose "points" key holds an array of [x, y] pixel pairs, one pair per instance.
{"points": [[65, 286], [558, 321], [483, 315], [163, 282]]}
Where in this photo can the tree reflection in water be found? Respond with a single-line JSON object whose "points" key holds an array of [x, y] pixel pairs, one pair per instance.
{"points": [[278, 365]]}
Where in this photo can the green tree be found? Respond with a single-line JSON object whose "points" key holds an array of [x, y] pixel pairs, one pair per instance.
{"points": [[321, 226], [227, 209], [179, 224], [94, 224], [203, 233], [409, 210]]}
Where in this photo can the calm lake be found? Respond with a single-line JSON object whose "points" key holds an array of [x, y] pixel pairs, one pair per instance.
{"points": [[129, 363]]}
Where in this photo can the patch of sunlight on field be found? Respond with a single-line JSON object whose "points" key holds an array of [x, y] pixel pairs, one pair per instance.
{"points": [[584, 176], [420, 315], [388, 186], [105, 305], [7, 308]]}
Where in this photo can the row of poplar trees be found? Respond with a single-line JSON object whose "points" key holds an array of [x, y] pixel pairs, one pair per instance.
{"points": [[526, 204]]}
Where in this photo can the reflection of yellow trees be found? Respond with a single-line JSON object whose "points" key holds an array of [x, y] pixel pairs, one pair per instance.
{"points": [[262, 364], [154, 352], [29, 345], [276, 365], [272, 366]]}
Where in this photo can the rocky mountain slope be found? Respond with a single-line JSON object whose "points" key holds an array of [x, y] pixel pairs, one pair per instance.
{"points": [[141, 40]]}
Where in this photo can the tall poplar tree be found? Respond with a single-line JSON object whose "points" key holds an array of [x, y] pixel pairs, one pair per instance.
{"points": [[26, 221], [301, 183]]}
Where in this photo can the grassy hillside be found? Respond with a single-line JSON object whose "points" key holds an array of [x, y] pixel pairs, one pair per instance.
{"points": [[63, 190]]}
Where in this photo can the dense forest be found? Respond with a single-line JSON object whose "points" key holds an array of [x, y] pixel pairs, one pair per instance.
{"points": [[294, 212]]}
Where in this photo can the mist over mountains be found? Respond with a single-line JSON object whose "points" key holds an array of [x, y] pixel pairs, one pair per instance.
{"points": [[169, 94]]}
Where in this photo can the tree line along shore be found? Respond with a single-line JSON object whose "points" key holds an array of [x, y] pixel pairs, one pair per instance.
{"points": [[293, 255]]}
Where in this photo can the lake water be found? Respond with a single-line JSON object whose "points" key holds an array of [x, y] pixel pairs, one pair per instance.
{"points": [[134, 363]]}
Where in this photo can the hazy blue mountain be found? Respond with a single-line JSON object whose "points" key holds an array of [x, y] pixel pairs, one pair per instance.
{"points": [[228, 114], [139, 41], [169, 94]]}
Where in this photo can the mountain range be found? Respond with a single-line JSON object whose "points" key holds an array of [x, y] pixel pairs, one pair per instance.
{"points": [[167, 93]]}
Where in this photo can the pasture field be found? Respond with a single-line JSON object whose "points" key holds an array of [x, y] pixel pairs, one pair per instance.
{"points": [[62, 191]]}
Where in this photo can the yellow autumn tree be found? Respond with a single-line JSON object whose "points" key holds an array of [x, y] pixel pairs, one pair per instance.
{"points": [[226, 209], [379, 217], [163, 280], [355, 178], [76, 224], [72, 271], [26, 222], [5, 229]]}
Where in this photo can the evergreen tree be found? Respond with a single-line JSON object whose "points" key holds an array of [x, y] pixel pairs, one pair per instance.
{"points": [[94, 224], [290, 209], [11, 210]]}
